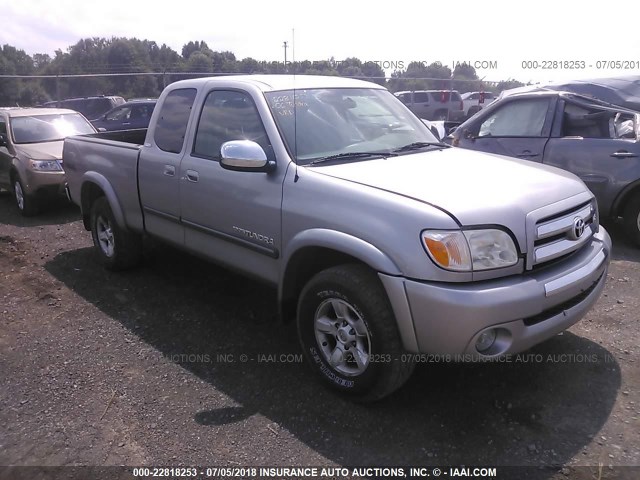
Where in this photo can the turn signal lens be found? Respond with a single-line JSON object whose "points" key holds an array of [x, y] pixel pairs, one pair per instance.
{"points": [[448, 249]]}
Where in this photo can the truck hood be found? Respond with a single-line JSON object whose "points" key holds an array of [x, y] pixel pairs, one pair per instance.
{"points": [[473, 187], [41, 151]]}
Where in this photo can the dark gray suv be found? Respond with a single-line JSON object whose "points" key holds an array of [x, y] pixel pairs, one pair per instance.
{"points": [[595, 140], [90, 107]]}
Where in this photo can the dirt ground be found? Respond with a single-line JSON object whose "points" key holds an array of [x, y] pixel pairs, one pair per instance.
{"points": [[183, 363]]}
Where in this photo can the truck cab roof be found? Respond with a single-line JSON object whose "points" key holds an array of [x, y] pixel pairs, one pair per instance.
{"points": [[273, 83]]}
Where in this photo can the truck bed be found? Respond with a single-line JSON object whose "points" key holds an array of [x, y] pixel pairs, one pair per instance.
{"points": [[107, 155], [135, 137]]}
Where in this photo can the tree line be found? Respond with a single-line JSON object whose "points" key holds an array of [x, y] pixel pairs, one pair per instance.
{"points": [[101, 66]]}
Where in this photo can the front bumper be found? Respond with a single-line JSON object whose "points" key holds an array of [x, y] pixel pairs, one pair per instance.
{"points": [[44, 183], [448, 318]]}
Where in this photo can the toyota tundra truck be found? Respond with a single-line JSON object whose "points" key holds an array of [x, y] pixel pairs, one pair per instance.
{"points": [[383, 243]]}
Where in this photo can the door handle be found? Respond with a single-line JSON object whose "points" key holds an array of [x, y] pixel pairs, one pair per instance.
{"points": [[527, 153], [623, 154], [169, 170], [192, 175]]}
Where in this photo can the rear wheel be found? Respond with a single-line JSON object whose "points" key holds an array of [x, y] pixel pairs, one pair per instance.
{"points": [[27, 204], [349, 335], [631, 218], [117, 249]]}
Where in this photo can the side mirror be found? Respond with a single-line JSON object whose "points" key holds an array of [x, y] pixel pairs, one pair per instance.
{"points": [[244, 156], [102, 129], [468, 134]]}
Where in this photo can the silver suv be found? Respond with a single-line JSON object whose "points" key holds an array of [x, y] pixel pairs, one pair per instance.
{"points": [[434, 104]]}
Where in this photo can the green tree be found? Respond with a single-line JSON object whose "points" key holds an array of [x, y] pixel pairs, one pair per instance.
{"points": [[465, 79]]}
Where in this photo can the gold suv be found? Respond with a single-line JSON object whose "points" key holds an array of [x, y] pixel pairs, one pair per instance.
{"points": [[31, 142]]}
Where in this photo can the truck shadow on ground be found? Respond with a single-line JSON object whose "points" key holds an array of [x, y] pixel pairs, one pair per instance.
{"points": [[540, 408], [57, 211]]}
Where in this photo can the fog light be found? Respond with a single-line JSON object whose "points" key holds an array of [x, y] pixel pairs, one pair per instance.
{"points": [[486, 340]]}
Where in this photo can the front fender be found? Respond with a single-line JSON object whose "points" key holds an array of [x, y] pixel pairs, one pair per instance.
{"points": [[344, 243]]}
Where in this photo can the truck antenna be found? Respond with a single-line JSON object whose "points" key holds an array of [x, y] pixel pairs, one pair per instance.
{"points": [[295, 115]]}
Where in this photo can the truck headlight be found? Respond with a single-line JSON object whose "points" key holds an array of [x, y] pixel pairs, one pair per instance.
{"points": [[470, 250], [45, 165]]}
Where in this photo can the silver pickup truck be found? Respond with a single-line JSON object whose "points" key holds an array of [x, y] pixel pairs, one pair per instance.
{"points": [[383, 243]]}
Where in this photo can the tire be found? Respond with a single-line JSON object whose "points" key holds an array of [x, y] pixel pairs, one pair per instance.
{"points": [[441, 115], [368, 328], [27, 204], [116, 248], [631, 217]]}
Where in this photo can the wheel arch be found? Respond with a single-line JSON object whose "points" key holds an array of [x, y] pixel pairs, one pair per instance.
{"points": [[93, 187], [318, 249], [627, 193]]}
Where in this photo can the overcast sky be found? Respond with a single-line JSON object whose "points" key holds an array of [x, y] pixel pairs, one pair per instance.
{"points": [[395, 33]]}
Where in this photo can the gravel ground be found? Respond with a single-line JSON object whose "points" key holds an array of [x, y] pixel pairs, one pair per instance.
{"points": [[146, 368]]}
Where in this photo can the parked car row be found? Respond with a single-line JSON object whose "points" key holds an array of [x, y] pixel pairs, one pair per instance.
{"points": [[445, 105], [434, 104]]}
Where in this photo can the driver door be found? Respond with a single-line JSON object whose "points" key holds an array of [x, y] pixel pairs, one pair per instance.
{"points": [[519, 128]]}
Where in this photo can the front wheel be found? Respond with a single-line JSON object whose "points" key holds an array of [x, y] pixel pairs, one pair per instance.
{"points": [[631, 217], [27, 204], [349, 335], [116, 248]]}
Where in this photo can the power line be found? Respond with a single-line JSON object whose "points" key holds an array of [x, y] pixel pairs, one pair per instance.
{"points": [[220, 74]]}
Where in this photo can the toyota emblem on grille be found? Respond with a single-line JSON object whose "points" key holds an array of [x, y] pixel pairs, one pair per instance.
{"points": [[578, 228]]}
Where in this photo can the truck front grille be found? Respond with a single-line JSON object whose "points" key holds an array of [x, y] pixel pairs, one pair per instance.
{"points": [[563, 233]]}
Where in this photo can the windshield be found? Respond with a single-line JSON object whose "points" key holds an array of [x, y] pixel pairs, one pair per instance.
{"points": [[336, 121], [48, 128]]}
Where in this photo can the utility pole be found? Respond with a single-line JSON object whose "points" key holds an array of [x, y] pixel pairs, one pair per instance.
{"points": [[285, 45]]}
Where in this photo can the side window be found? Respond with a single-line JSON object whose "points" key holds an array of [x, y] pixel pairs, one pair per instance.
{"points": [[119, 114], [3, 127], [474, 96], [172, 122], [420, 97], [521, 118], [405, 98], [578, 121], [226, 116], [140, 112]]}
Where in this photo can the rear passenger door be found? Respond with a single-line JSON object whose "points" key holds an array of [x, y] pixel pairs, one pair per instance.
{"points": [[232, 217], [159, 166], [599, 145]]}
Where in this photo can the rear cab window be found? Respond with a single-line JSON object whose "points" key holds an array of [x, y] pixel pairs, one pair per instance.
{"points": [[171, 126]]}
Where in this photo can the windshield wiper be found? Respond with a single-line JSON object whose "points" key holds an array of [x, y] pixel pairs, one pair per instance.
{"points": [[352, 155], [419, 145]]}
